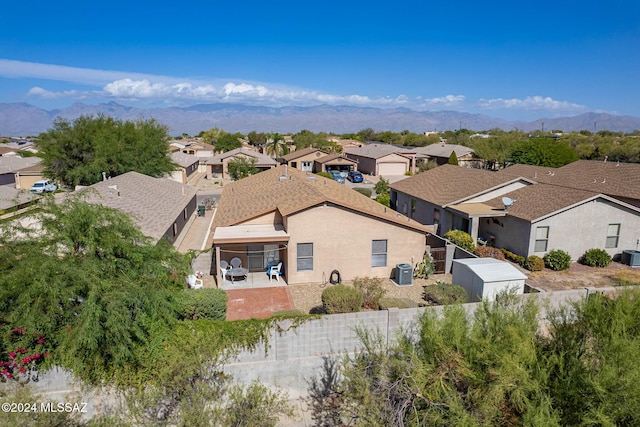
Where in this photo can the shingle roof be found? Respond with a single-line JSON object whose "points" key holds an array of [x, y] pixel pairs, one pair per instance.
{"points": [[443, 150], [265, 192], [448, 184], [262, 160], [10, 196], [299, 153], [10, 164], [614, 179], [536, 201], [184, 160], [331, 157], [152, 203], [375, 151]]}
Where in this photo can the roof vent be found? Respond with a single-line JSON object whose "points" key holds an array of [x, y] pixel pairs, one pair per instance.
{"points": [[282, 178]]}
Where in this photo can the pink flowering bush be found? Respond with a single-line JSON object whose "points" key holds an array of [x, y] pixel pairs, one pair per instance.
{"points": [[21, 354]]}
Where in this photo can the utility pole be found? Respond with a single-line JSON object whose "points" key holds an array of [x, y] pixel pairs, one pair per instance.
{"points": [[542, 127]]}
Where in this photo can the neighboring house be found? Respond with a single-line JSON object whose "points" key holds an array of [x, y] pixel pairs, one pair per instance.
{"points": [[9, 165], [441, 152], [187, 166], [200, 149], [218, 166], [161, 207], [7, 151], [383, 159], [26, 177], [304, 159], [314, 226], [542, 217], [12, 198], [334, 162]]}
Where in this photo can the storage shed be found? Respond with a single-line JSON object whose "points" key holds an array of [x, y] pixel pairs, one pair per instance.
{"points": [[483, 278]]}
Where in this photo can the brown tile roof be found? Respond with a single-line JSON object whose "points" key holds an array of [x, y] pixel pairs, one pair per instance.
{"points": [[536, 201], [332, 157], [264, 192], [611, 178], [449, 184], [299, 153], [152, 203]]}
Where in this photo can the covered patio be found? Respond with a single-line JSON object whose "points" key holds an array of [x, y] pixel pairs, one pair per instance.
{"points": [[468, 217], [257, 247]]}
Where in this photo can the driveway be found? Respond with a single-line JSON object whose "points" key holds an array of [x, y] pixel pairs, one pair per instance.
{"points": [[258, 303]]}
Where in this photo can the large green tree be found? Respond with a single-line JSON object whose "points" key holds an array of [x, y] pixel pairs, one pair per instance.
{"points": [[78, 152], [543, 152], [228, 142], [91, 283]]}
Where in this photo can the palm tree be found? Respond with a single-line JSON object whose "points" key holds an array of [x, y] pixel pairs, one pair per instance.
{"points": [[276, 145]]}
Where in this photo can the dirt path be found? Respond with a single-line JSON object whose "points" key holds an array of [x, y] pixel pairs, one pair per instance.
{"points": [[580, 276]]}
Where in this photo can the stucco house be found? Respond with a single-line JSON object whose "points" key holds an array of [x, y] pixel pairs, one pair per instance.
{"points": [[538, 217], [9, 165], [186, 166], [314, 226], [382, 159], [199, 149], [304, 159], [441, 152], [161, 207], [218, 166]]}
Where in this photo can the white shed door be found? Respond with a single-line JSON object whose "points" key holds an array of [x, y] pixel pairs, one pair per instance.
{"points": [[392, 168]]}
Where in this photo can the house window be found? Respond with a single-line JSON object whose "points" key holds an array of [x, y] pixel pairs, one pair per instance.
{"points": [[542, 239], [305, 257], [307, 166], [613, 233], [379, 253]]}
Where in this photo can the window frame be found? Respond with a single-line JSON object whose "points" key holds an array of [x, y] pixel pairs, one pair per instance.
{"points": [[379, 255], [539, 240], [613, 236], [303, 258]]}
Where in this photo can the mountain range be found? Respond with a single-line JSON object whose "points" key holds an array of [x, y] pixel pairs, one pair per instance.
{"points": [[22, 119]]}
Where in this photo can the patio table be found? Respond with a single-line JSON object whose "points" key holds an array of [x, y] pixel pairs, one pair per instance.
{"points": [[237, 272]]}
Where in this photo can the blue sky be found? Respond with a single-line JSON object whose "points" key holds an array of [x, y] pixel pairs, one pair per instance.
{"points": [[516, 60]]}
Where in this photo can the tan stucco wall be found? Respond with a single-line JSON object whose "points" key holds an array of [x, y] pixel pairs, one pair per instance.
{"points": [[342, 241], [26, 181], [311, 157], [270, 218]]}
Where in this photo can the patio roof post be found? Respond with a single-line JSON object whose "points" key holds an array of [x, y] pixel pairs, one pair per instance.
{"points": [[474, 223], [218, 276]]}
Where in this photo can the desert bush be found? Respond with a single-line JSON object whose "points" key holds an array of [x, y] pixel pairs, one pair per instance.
{"points": [[371, 289], [384, 199], [425, 268], [364, 191], [386, 303], [203, 304], [288, 313], [596, 258], [441, 293], [518, 259], [460, 238], [557, 260], [534, 263], [626, 278], [325, 174], [341, 299], [489, 252]]}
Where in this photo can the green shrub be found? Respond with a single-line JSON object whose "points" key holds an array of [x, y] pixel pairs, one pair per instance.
{"points": [[384, 199], [533, 263], [425, 268], [387, 303], [518, 259], [288, 313], [460, 238], [489, 252], [557, 260], [325, 174], [341, 299], [371, 289], [441, 293], [596, 258], [198, 304], [365, 191]]}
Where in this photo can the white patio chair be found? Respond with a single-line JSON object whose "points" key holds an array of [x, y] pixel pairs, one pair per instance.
{"points": [[236, 262], [224, 266], [274, 270]]}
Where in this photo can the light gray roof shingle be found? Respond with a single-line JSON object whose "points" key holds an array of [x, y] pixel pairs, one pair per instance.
{"points": [[153, 203], [261, 159], [184, 160], [376, 151], [10, 164]]}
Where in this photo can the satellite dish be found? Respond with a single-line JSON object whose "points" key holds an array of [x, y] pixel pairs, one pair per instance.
{"points": [[507, 201]]}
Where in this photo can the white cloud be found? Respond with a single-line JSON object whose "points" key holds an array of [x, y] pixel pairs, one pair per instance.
{"points": [[47, 94], [446, 101], [534, 103]]}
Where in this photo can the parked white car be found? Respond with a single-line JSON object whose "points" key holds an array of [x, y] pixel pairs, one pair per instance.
{"points": [[44, 186]]}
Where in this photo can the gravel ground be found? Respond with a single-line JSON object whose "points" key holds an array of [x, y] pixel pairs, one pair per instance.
{"points": [[308, 298]]}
